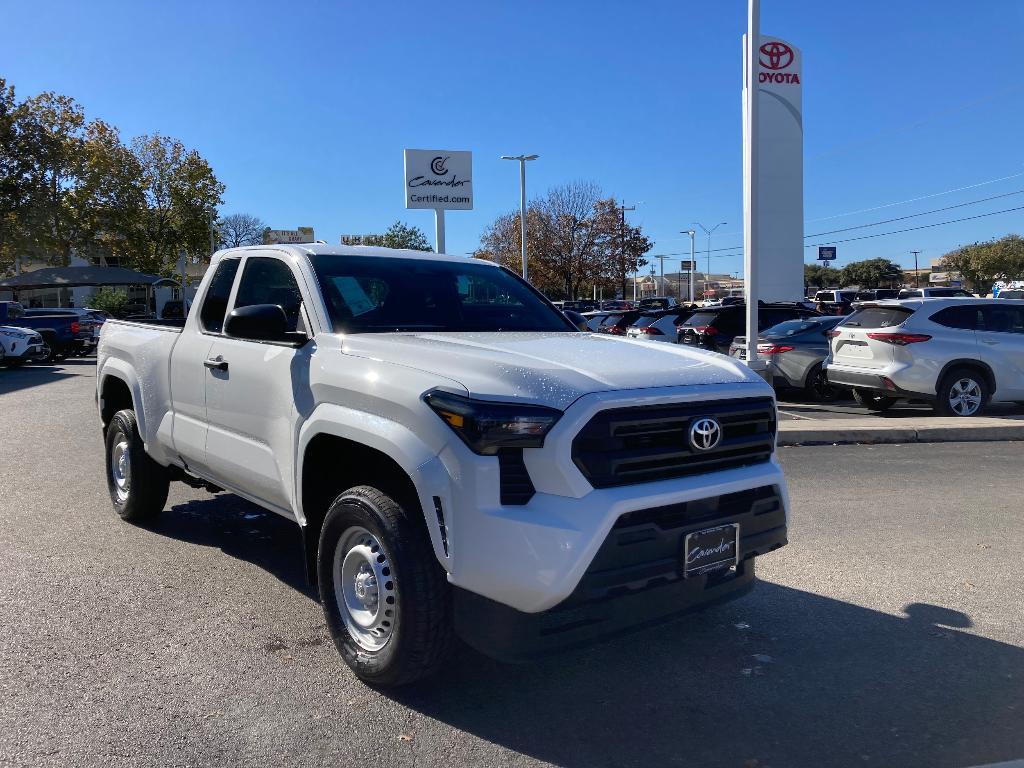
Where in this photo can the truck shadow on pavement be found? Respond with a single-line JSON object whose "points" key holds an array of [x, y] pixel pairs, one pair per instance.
{"points": [[782, 677]]}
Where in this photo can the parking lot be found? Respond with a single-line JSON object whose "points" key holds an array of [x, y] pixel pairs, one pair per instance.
{"points": [[887, 633]]}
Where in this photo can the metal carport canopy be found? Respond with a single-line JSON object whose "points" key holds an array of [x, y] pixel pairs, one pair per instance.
{"points": [[50, 277]]}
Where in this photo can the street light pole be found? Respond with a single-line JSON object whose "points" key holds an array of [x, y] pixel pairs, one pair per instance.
{"points": [[709, 232], [522, 201], [693, 264]]}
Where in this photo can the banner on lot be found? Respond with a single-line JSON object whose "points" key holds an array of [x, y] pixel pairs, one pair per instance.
{"points": [[439, 178], [780, 178]]}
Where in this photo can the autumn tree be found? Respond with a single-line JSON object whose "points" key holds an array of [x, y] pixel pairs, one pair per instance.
{"points": [[15, 178], [982, 264], [239, 229]]}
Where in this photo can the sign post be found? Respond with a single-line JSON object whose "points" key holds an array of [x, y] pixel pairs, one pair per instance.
{"points": [[441, 180]]}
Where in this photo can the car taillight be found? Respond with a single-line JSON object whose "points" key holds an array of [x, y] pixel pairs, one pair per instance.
{"points": [[772, 349], [831, 334], [900, 339], [75, 327], [615, 330], [707, 330], [651, 332]]}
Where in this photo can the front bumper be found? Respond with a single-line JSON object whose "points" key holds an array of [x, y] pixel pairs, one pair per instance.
{"points": [[634, 581], [531, 557]]}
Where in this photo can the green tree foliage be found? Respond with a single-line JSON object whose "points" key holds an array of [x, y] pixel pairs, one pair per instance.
{"points": [[820, 275], [398, 235], [110, 300], [871, 273], [575, 238], [70, 185], [982, 264]]}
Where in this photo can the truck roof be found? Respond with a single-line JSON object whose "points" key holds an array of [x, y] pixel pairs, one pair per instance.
{"points": [[323, 249]]}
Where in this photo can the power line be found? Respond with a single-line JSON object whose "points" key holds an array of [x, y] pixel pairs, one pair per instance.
{"points": [[914, 215], [915, 199], [914, 229]]}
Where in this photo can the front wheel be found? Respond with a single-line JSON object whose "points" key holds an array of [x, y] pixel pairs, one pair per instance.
{"points": [[385, 597], [962, 392], [138, 485], [873, 402]]}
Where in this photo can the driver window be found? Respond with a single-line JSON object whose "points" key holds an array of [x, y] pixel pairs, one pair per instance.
{"points": [[267, 280]]}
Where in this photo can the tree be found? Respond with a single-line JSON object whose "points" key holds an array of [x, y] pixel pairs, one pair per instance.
{"points": [[401, 235], [819, 275], [15, 174], [238, 229], [982, 264], [110, 300], [180, 195], [870, 273]]}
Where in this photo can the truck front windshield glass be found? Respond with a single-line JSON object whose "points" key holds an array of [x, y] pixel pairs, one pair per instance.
{"points": [[380, 295]]}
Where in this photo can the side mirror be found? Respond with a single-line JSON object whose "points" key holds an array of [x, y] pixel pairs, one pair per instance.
{"points": [[576, 319], [258, 322]]}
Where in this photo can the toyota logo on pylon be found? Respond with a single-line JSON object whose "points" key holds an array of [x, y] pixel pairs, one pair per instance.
{"points": [[776, 55]]}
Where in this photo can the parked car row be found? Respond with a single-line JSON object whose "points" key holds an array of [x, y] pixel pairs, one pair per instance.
{"points": [[47, 334]]}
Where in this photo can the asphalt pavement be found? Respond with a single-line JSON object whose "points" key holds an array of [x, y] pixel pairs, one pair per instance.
{"points": [[888, 632]]}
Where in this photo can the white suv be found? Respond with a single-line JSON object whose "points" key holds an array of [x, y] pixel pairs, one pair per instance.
{"points": [[959, 353]]}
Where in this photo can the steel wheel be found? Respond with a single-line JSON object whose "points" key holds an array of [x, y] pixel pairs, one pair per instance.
{"points": [[965, 397], [364, 588], [121, 468]]}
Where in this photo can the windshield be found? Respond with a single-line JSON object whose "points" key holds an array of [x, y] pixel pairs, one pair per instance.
{"points": [[366, 294], [698, 319]]}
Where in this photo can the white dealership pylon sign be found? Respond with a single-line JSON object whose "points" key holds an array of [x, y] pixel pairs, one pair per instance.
{"points": [[440, 179], [778, 181]]}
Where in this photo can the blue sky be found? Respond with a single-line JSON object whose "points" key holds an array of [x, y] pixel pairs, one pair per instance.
{"points": [[304, 108]]}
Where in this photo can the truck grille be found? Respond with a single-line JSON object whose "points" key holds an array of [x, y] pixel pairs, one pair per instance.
{"points": [[621, 446]]}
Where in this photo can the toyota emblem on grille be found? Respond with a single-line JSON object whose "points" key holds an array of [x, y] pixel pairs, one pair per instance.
{"points": [[705, 434]]}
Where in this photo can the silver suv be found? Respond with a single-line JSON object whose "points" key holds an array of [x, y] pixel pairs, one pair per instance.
{"points": [[959, 353]]}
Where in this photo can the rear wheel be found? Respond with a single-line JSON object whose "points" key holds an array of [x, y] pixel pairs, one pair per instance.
{"points": [[873, 401], [962, 392], [137, 484], [385, 597], [818, 386]]}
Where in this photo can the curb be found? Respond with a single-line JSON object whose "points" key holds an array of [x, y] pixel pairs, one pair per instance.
{"points": [[824, 433]]}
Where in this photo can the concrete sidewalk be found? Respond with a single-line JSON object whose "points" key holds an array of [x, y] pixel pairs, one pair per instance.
{"points": [[922, 429]]}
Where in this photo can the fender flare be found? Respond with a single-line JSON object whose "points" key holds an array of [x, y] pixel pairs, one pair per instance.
{"points": [[413, 456], [980, 365], [118, 369]]}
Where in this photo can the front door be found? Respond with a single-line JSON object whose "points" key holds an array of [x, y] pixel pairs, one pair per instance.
{"points": [[1002, 346], [251, 394]]}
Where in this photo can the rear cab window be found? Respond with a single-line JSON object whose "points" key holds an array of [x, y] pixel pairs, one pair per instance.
{"points": [[879, 317]]}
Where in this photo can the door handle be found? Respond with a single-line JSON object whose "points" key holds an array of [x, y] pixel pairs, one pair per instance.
{"points": [[216, 363]]}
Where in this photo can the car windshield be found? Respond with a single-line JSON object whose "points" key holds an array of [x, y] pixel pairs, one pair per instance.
{"points": [[379, 295], [645, 320], [878, 317], [698, 319], [791, 328]]}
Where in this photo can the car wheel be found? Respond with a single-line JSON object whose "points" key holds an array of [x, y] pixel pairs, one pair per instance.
{"points": [[873, 402], [962, 392], [137, 484], [818, 387], [385, 597]]}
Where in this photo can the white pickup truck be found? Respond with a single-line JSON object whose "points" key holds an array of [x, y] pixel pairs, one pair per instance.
{"points": [[461, 460]]}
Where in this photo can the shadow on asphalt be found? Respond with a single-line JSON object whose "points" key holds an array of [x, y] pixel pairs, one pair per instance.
{"points": [[781, 677], [28, 376]]}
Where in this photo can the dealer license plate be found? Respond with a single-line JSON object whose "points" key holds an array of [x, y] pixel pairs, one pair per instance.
{"points": [[711, 549]]}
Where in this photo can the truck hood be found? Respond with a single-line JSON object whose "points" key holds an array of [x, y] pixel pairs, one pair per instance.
{"points": [[549, 368]]}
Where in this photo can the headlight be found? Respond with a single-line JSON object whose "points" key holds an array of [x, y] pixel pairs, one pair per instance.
{"points": [[487, 426]]}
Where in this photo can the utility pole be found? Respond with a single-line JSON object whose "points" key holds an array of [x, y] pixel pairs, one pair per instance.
{"points": [[622, 247], [917, 274]]}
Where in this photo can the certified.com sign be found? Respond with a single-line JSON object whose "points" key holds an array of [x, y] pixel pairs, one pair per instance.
{"points": [[439, 178]]}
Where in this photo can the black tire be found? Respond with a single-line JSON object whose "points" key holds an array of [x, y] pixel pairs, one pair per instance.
{"points": [[872, 401], [969, 382], [145, 494], [817, 386], [415, 598]]}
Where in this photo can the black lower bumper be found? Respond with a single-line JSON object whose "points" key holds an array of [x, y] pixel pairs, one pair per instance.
{"points": [[873, 383], [634, 581]]}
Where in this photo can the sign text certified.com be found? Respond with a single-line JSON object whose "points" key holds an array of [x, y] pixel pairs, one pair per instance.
{"points": [[438, 178]]}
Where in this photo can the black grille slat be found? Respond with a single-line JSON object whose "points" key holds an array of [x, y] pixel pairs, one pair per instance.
{"points": [[516, 485], [641, 444]]}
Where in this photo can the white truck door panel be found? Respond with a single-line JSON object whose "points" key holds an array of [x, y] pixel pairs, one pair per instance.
{"points": [[250, 399], [251, 416]]}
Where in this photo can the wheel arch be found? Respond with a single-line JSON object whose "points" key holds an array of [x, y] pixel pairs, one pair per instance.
{"points": [[339, 448], [977, 365], [118, 388]]}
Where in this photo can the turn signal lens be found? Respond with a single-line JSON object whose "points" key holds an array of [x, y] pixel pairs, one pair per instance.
{"points": [[487, 426], [900, 339]]}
